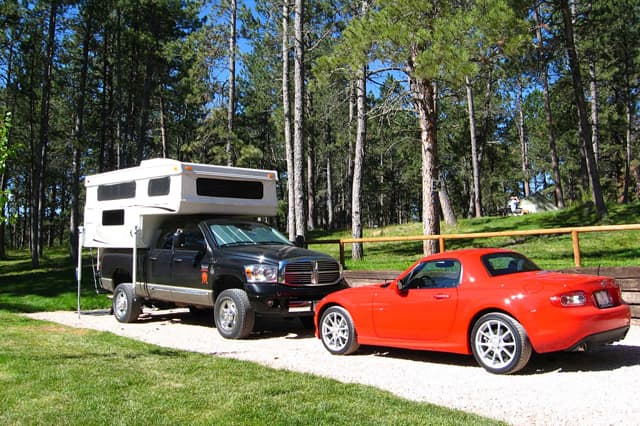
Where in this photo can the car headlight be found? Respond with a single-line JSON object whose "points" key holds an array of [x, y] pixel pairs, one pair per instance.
{"points": [[261, 273]]}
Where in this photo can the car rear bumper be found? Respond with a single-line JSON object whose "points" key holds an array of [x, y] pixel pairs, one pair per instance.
{"points": [[571, 328], [599, 339]]}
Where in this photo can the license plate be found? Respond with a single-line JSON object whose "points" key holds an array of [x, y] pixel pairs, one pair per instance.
{"points": [[301, 306], [603, 299]]}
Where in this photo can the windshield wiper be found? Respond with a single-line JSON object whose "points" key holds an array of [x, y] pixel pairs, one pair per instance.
{"points": [[239, 243]]}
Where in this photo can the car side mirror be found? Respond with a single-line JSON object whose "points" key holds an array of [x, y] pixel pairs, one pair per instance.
{"points": [[403, 285]]}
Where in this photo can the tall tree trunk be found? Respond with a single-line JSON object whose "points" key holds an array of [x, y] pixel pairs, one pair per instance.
{"points": [[330, 220], [38, 169], [311, 187], [584, 128], [524, 144], [286, 108], [231, 106], [163, 132], [78, 139], [298, 117], [348, 184], [555, 162], [595, 122], [424, 99], [357, 251], [477, 198], [445, 203], [628, 150], [4, 176], [143, 124]]}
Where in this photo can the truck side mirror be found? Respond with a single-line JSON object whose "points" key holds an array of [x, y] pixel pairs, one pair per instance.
{"points": [[299, 242], [178, 239]]}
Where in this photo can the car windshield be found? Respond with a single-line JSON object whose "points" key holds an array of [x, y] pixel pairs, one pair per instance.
{"points": [[246, 233], [507, 263]]}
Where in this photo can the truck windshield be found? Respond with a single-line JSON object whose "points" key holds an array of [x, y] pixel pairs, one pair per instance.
{"points": [[241, 233]]}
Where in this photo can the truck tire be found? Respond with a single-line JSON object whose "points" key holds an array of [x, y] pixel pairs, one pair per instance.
{"points": [[126, 307], [233, 314]]}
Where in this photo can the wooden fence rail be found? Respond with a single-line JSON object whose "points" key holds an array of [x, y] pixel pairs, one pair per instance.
{"points": [[574, 231], [628, 278]]}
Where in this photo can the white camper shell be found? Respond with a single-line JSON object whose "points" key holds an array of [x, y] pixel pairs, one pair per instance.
{"points": [[128, 202]]}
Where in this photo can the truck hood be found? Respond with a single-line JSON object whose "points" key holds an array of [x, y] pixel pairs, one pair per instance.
{"points": [[272, 252]]}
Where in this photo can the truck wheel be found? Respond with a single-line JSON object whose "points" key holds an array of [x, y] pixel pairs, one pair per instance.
{"points": [[126, 307], [233, 314]]}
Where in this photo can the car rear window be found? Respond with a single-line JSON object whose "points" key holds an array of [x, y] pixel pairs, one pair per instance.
{"points": [[498, 264]]}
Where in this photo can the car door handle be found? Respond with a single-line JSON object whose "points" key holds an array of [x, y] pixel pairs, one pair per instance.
{"points": [[441, 296], [153, 258], [178, 260]]}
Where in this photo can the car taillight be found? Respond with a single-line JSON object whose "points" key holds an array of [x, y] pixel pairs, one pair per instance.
{"points": [[572, 299]]}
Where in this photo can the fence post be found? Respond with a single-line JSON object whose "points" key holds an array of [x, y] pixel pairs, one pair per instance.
{"points": [[441, 240], [341, 253], [576, 247]]}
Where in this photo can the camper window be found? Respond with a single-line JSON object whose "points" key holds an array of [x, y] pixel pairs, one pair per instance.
{"points": [[113, 217], [229, 188], [159, 186], [118, 191]]}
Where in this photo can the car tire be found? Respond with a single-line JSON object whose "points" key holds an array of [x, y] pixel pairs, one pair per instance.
{"points": [[125, 305], [338, 332], [500, 343], [307, 323], [233, 314]]}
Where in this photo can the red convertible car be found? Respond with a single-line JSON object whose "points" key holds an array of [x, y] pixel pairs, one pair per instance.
{"points": [[495, 304]]}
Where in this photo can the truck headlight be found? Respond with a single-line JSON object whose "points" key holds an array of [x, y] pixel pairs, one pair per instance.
{"points": [[261, 273]]}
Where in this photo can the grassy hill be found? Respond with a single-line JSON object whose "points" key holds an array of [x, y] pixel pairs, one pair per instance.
{"points": [[619, 248]]}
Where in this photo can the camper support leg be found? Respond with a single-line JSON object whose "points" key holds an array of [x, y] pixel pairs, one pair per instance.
{"points": [[134, 270], [79, 267]]}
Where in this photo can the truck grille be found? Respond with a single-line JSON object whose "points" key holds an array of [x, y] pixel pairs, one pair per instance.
{"points": [[311, 272]]}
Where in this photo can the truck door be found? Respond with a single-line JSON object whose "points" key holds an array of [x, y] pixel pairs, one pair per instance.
{"points": [[189, 251], [159, 268]]}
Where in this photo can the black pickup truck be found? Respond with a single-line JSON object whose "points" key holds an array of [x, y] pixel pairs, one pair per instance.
{"points": [[238, 267]]}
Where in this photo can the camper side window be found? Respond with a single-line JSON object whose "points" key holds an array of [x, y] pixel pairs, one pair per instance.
{"points": [[159, 186], [113, 217], [210, 187], [119, 191]]}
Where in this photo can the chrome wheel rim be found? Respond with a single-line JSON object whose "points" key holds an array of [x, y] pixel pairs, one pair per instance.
{"points": [[496, 344], [228, 314], [121, 304], [335, 331]]}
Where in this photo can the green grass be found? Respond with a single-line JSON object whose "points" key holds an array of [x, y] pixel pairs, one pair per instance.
{"points": [[620, 248], [52, 286], [52, 374]]}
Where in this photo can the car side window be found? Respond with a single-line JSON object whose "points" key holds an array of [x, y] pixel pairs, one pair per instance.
{"points": [[507, 263], [436, 274]]}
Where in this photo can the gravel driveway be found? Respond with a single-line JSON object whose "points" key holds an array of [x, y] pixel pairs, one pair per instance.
{"points": [[594, 388]]}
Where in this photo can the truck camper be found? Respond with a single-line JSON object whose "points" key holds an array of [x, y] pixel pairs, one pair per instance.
{"points": [[170, 233]]}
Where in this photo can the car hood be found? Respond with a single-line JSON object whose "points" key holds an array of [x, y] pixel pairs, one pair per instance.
{"points": [[272, 252]]}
